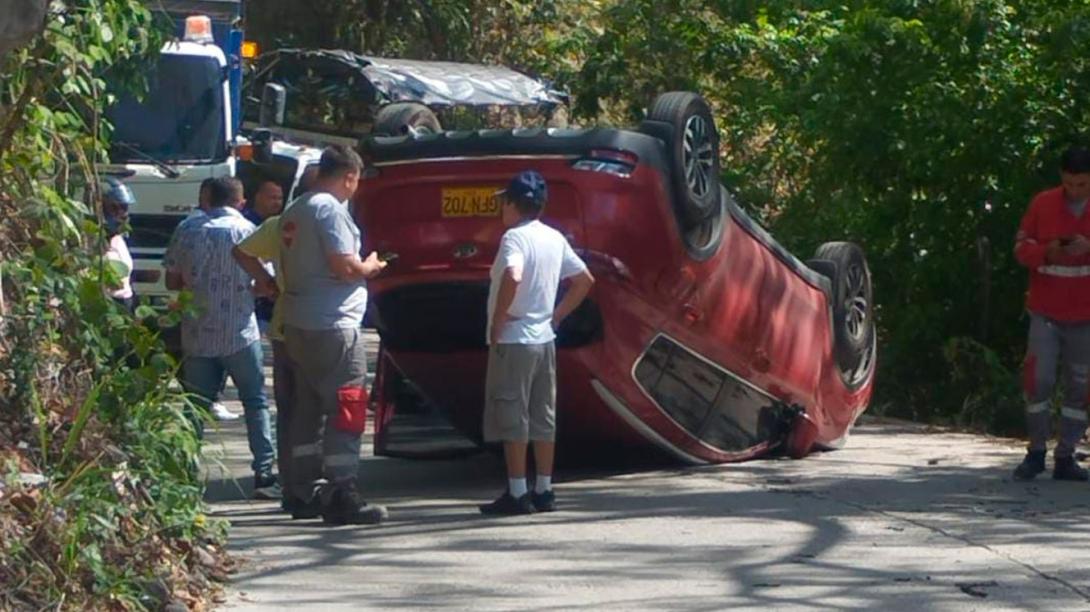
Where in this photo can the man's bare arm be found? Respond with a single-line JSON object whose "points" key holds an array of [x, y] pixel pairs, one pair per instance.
{"points": [[264, 283], [580, 286], [349, 268]]}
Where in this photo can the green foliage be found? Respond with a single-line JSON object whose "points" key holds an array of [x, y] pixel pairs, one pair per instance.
{"points": [[84, 385], [990, 396]]}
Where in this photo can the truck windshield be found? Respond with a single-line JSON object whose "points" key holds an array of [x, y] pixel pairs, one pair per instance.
{"points": [[181, 119]]}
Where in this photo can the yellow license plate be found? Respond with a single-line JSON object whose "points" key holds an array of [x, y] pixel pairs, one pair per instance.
{"points": [[471, 202]]}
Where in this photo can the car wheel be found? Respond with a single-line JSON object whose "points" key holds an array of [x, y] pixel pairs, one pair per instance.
{"points": [[397, 119], [694, 148], [852, 303]]}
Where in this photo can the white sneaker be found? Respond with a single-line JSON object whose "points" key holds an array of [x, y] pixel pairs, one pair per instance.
{"points": [[221, 413]]}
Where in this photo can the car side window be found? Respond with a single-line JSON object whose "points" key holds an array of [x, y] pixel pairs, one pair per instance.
{"points": [[709, 402]]}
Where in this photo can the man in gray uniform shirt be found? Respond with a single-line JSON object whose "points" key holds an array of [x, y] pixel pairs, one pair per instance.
{"points": [[325, 297]]}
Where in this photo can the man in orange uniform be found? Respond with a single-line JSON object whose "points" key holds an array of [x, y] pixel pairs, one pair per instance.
{"points": [[1053, 242]]}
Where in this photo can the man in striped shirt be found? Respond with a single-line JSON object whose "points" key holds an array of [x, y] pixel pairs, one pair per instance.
{"points": [[224, 337], [172, 336]]}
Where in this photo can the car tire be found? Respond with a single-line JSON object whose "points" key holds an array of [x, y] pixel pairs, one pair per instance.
{"points": [[694, 152], [852, 302], [396, 119]]}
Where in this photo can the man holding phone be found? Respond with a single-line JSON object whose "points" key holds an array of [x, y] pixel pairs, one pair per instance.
{"points": [[324, 299], [1053, 242]]}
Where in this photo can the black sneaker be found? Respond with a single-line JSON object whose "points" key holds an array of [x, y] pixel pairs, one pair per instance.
{"points": [[544, 502], [505, 505], [1031, 466], [1067, 468], [266, 486], [347, 507]]}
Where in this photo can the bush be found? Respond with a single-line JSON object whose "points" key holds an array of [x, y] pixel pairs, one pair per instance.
{"points": [[100, 496]]}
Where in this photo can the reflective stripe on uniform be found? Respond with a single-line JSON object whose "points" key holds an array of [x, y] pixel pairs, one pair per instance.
{"points": [[1065, 271], [1037, 408], [306, 450], [341, 460], [1075, 414]]}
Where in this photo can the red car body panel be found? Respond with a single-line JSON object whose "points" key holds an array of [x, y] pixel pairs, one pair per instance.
{"points": [[762, 326]]}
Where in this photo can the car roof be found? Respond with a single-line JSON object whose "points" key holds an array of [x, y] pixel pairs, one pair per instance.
{"points": [[433, 83]]}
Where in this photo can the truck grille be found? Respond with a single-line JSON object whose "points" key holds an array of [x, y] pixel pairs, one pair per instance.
{"points": [[152, 231]]}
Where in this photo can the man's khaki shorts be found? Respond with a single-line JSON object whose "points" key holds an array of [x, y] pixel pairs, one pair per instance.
{"points": [[520, 393]]}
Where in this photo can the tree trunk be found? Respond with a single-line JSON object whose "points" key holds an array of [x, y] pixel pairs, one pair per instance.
{"points": [[20, 21]]}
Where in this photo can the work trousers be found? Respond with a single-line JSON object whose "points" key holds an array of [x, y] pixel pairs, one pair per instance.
{"points": [[1052, 344], [284, 395], [329, 407]]}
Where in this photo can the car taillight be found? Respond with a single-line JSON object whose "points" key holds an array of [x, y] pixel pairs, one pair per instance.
{"points": [[610, 161]]}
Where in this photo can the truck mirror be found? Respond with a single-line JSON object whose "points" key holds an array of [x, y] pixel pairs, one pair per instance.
{"points": [[273, 100], [262, 141]]}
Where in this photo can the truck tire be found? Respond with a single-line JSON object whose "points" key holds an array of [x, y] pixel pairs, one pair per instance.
{"points": [[852, 303], [396, 119], [694, 152]]}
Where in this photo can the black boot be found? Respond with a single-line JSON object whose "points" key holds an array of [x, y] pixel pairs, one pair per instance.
{"points": [[345, 506], [306, 508], [1067, 468], [1031, 466]]}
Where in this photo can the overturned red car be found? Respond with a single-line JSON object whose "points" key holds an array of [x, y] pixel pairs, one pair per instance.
{"points": [[703, 337]]}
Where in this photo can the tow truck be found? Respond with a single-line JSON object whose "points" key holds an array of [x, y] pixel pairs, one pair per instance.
{"points": [[185, 129]]}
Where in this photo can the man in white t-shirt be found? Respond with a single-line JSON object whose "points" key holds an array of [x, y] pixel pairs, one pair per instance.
{"points": [[520, 386]]}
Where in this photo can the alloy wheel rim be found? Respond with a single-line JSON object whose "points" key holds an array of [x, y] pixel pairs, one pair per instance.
{"points": [[866, 365], [857, 306], [698, 156]]}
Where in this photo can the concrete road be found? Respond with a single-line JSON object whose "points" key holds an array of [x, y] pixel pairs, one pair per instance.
{"points": [[902, 519]]}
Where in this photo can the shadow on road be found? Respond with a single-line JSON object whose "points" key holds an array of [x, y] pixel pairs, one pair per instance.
{"points": [[768, 533]]}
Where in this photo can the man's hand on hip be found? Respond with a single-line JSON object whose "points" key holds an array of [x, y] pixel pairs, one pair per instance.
{"points": [[266, 288]]}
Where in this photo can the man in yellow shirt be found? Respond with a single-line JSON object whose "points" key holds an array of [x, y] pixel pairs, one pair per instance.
{"points": [[264, 245]]}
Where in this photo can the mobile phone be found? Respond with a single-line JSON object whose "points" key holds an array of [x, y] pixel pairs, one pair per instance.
{"points": [[387, 257]]}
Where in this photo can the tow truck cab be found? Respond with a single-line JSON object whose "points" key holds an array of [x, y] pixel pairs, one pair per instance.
{"points": [[180, 133], [185, 130]]}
